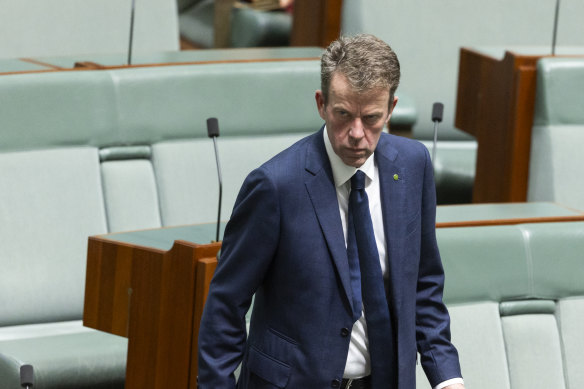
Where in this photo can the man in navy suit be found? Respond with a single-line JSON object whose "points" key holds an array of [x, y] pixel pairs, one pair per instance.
{"points": [[287, 243]]}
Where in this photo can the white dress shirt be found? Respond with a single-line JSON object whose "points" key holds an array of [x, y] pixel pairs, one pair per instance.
{"points": [[358, 360]]}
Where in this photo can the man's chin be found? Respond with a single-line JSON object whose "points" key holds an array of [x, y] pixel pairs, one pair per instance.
{"points": [[354, 161]]}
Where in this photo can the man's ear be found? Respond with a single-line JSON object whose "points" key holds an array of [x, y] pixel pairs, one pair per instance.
{"points": [[391, 107], [320, 105]]}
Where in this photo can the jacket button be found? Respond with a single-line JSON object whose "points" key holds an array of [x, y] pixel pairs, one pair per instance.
{"points": [[335, 384], [345, 332]]}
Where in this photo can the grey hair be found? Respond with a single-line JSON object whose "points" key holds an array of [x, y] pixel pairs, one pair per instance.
{"points": [[365, 60]]}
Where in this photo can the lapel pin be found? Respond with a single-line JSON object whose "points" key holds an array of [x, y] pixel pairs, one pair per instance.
{"points": [[395, 177]]}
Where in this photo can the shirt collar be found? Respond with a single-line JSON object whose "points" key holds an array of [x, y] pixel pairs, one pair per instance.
{"points": [[341, 172]]}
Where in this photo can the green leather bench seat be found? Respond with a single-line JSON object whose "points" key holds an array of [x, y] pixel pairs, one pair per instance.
{"points": [[516, 298], [89, 152], [558, 133], [86, 153]]}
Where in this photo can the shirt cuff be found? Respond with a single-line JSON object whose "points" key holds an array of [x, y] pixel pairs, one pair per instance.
{"points": [[449, 382]]}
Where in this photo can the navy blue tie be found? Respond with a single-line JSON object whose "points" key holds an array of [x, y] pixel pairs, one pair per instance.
{"points": [[363, 256]]}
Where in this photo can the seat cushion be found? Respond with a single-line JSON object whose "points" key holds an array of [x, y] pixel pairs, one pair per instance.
{"points": [[28, 331], [533, 351], [89, 360], [570, 315], [477, 352], [131, 195]]}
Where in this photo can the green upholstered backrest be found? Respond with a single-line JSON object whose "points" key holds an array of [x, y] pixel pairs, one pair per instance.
{"points": [[560, 91], [427, 36], [162, 103], [46, 110], [196, 23], [50, 202], [142, 106], [251, 27], [516, 298], [558, 133], [30, 28]]}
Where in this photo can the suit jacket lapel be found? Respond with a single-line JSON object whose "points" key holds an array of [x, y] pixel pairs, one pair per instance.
{"points": [[321, 189], [393, 185]]}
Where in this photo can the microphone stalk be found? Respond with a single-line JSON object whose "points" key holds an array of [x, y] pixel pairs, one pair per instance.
{"points": [[220, 189], [556, 17], [213, 132], [437, 112], [131, 32]]}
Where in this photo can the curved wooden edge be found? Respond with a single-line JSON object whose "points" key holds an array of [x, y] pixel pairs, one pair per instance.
{"points": [[41, 63], [204, 274], [501, 222], [85, 66]]}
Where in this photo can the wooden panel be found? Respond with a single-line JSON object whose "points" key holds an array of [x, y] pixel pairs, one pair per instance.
{"points": [[155, 298], [316, 22], [205, 270], [495, 103], [144, 320], [108, 280], [521, 127]]}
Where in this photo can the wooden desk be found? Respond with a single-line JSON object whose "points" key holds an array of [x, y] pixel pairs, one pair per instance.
{"points": [[142, 286], [495, 104]]}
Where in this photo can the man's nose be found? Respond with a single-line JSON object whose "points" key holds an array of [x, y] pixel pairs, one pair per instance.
{"points": [[357, 130]]}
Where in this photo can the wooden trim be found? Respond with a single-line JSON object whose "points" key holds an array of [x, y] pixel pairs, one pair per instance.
{"points": [[95, 66], [41, 63], [502, 222], [205, 270]]}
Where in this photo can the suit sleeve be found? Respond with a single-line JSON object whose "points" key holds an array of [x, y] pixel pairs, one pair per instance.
{"points": [[439, 357], [249, 244]]}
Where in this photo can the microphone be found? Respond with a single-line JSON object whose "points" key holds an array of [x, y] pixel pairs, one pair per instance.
{"points": [[213, 132], [26, 376], [131, 32], [437, 111]]}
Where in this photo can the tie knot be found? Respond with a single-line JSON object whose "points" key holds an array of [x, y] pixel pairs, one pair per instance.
{"points": [[358, 180]]}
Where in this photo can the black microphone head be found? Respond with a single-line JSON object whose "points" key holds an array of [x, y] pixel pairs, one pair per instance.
{"points": [[437, 111], [212, 127], [26, 376]]}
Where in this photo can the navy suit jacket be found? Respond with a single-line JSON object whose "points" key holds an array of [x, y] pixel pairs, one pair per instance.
{"points": [[285, 243]]}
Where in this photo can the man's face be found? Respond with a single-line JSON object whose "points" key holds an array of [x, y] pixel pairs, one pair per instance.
{"points": [[354, 121]]}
